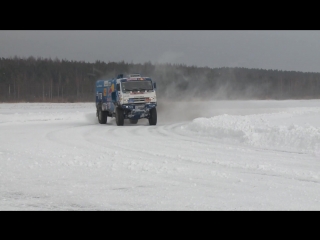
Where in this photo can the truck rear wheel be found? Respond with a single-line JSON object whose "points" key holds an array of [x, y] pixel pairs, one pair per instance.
{"points": [[153, 116], [102, 116], [119, 117]]}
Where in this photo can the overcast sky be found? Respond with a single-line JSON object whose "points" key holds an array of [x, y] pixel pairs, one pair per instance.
{"points": [[266, 49]]}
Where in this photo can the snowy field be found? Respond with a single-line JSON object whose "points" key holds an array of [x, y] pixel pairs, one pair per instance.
{"points": [[219, 155]]}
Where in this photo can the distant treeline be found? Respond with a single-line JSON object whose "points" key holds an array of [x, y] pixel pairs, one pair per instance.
{"points": [[46, 80]]}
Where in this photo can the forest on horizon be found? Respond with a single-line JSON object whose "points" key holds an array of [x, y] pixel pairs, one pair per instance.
{"points": [[53, 80]]}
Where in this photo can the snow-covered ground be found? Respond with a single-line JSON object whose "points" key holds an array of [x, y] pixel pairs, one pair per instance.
{"points": [[215, 155]]}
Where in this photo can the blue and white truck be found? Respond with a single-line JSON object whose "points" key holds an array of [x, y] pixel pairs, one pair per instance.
{"points": [[132, 97]]}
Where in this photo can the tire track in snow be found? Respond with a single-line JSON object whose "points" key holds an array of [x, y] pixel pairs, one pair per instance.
{"points": [[148, 142]]}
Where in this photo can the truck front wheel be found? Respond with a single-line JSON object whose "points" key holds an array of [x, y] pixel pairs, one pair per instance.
{"points": [[153, 116], [119, 117]]}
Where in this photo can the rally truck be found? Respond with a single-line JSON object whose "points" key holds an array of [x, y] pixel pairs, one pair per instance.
{"points": [[132, 97]]}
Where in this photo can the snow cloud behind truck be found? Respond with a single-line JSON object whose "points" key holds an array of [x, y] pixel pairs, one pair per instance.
{"points": [[132, 97]]}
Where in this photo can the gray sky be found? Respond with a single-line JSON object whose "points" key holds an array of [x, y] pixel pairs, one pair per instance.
{"points": [[266, 49]]}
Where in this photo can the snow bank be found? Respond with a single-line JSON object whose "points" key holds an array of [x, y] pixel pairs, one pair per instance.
{"points": [[280, 131]]}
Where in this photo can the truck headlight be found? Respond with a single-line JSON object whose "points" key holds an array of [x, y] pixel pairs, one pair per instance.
{"points": [[125, 100], [150, 99]]}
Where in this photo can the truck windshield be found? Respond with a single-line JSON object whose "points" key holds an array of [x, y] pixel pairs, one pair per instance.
{"points": [[136, 86]]}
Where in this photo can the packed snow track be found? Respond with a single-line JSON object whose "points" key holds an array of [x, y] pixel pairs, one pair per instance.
{"points": [[218, 155]]}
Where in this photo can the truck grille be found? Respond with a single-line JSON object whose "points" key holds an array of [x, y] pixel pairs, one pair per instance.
{"points": [[139, 100]]}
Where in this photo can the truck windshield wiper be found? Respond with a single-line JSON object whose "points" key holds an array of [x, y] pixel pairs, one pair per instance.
{"points": [[137, 89]]}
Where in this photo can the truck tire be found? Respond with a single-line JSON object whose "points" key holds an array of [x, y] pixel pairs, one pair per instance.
{"points": [[119, 117], [153, 116], [102, 116], [134, 121]]}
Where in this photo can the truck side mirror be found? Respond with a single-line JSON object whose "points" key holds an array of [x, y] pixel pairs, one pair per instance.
{"points": [[154, 85], [118, 87]]}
